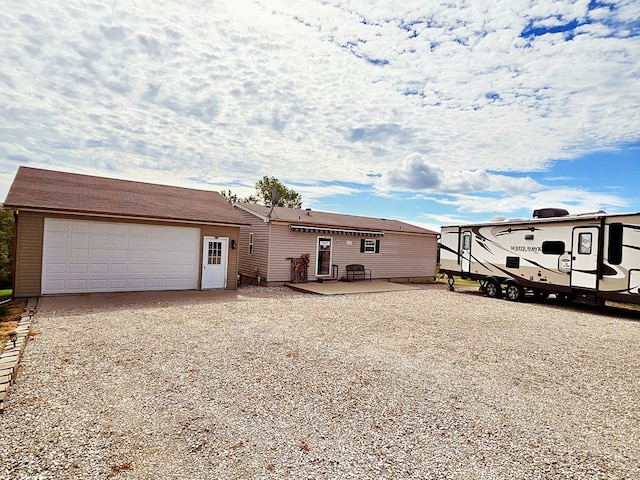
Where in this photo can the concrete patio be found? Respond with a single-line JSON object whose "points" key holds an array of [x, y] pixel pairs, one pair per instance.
{"points": [[343, 288]]}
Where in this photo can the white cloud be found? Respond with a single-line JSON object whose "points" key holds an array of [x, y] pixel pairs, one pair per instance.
{"points": [[573, 200], [313, 92], [417, 174]]}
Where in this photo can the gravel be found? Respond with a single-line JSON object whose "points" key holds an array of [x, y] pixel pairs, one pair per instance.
{"points": [[275, 384]]}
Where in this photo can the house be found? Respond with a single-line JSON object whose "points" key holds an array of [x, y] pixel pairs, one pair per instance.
{"points": [[277, 236], [79, 233]]}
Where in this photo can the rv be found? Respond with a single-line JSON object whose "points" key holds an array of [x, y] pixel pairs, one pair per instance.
{"points": [[590, 258]]}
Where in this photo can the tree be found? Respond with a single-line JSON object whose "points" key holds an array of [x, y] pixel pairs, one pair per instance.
{"points": [[286, 197], [6, 247], [230, 197]]}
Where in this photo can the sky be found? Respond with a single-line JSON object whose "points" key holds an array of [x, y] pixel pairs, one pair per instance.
{"points": [[435, 112]]}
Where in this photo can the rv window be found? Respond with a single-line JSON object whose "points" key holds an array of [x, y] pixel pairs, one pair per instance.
{"points": [[513, 262], [584, 243], [466, 241], [615, 243], [553, 248]]}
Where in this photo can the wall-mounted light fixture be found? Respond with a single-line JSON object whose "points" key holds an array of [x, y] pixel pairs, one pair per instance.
{"points": [[234, 244]]}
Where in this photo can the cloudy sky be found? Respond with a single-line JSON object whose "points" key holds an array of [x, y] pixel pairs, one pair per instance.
{"points": [[433, 112]]}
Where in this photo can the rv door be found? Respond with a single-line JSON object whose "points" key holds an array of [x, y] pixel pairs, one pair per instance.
{"points": [[465, 252], [584, 257]]}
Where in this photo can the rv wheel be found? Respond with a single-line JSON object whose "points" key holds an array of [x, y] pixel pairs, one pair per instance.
{"points": [[493, 289], [514, 292]]}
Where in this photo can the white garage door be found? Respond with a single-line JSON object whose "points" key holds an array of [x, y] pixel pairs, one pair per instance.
{"points": [[83, 256]]}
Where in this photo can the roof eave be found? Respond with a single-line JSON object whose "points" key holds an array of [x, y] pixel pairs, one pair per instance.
{"points": [[90, 213]]}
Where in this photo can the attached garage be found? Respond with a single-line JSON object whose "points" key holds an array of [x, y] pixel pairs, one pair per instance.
{"points": [[84, 256], [82, 234]]}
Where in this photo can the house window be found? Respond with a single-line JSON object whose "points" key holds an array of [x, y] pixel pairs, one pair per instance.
{"points": [[251, 244], [369, 245]]}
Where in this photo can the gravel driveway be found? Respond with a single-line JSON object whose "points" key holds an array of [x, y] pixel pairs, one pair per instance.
{"points": [[402, 385]]}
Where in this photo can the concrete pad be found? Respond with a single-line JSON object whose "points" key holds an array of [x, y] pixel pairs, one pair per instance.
{"points": [[57, 303], [343, 288]]}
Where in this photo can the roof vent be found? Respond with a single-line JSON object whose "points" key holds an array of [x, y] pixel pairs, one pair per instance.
{"points": [[550, 213], [308, 211]]}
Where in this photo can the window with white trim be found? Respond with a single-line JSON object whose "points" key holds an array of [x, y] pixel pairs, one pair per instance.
{"points": [[369, 245], [251, 244]]}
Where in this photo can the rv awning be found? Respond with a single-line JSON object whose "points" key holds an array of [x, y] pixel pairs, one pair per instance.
{"points": [[335, 231]]}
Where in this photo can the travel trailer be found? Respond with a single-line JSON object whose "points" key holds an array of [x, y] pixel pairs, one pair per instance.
{"points": [[589, 258]]}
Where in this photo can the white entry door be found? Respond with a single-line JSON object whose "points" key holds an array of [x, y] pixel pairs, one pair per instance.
{"points": [[465, 252], [584, 257], [214, 262]]}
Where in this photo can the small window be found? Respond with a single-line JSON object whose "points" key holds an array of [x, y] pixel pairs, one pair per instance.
{"points": [[513, 262], [553, 247], [369, 245], [466, 241], [615, 243], [251, 244], [584, 243]]}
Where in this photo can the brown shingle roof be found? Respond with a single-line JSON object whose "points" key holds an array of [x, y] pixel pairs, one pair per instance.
{"points": [[337, 220], [74, 193]]}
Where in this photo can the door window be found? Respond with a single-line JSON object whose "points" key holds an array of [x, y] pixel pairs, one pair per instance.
{"points": [[466, 241], [584, 243], [214, 254], [324, 256]]}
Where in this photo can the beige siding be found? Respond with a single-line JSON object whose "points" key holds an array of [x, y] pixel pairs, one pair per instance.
{"points": [[252, 266], [29, 242], [232, 233], [28, 260], [286, 244], [407, 257]]}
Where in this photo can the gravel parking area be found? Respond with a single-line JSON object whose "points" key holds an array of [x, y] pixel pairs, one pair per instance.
{"points": [[403, 385]]}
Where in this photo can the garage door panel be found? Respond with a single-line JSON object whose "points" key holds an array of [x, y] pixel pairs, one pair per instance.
{"points": [[138, 242], [119, 268], [57, 238], [118, 254], [99, 268], [119, 241], [78, 284], [99, 253], [137, 255], [78, 239], [98, 240], [78, 253], [100, 227], [79, 227], [78, 268], [83, 256]]}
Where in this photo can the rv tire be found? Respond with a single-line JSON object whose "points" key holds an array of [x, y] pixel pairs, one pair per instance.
{"points": [[493, 289], [514, 292]]}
